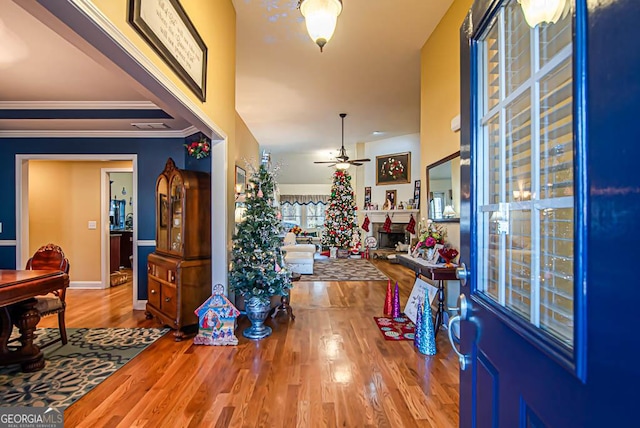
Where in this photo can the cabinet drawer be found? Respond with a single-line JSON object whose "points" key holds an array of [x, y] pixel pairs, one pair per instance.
{"points": [[163, 272], [154, 292], [169, 301]]}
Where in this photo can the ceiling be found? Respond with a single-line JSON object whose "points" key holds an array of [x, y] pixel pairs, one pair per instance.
{"points": [[48, 83], [288, 92]]}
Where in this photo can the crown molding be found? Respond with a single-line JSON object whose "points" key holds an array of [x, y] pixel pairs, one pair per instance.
{"points": [[94, 14], [78, 105], [98, 134]]}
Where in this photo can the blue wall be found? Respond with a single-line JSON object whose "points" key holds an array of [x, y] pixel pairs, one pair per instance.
{"points": [[152, 156]]}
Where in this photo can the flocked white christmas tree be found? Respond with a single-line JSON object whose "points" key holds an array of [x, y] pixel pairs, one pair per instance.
{"points": [[340, 216]]}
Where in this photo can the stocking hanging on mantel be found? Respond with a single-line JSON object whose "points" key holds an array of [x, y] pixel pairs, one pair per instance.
{"points": [[387, 224], [411, 226], [365, 223]]}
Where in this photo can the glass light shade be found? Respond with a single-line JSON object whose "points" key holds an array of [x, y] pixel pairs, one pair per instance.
{"points": [[343, 165], [539, 11], [321, 17], [448, 212]]}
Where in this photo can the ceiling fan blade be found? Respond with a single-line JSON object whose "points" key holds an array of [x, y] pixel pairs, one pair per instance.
{"points": [[361, 160], [325, 162], [355, 163], [332, 165]]}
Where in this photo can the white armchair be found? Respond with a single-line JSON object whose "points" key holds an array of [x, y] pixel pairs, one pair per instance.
{"points": [[298, 257], [290, 245]]}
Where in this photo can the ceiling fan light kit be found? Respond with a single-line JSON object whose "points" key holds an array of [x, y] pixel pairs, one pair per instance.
{"points": [[321, 17], [342, 160]]}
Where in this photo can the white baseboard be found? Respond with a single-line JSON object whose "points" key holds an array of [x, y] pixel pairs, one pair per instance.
{"points": [[140, 305], [86, 285]]}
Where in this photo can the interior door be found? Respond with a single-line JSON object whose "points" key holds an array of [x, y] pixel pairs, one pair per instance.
{"points": [[546, 329]]}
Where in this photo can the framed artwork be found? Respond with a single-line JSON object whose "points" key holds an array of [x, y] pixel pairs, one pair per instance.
{"points": [[367, 197], [169, 31], [390, 195], [393, 169], [420, 290], [416, 193], [241, 181], [163, 209]]}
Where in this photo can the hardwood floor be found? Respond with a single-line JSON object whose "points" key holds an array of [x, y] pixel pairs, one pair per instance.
{"points": [[330, 367]]}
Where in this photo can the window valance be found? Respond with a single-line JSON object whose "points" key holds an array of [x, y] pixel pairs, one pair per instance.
{"points": [[303, 199]]}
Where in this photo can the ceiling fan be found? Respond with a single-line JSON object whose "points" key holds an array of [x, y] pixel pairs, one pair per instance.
{"points": [[342, 160]]}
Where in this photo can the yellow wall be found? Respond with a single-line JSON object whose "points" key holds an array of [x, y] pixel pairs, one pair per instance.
{"points": [[440, 95], [245, 149], [63, 197], [215, 21]]}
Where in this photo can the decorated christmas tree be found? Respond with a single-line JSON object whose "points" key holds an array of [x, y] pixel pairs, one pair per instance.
{"points": [[258, 269], [340, 216]]}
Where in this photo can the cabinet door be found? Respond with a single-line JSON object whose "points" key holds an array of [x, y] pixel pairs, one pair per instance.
{"points": [[176, 234], [169, 302], [162, 214]]}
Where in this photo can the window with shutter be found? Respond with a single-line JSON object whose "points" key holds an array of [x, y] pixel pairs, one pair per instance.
{"points": [[525, 219]]}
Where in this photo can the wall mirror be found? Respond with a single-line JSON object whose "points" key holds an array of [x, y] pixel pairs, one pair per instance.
{"points": [[443, 189]]}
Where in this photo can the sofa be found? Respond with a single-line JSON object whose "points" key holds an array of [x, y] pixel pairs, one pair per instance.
{"points": [[298, 257]]}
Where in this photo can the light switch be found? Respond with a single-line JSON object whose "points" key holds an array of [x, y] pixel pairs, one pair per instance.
{"points": [[92, 224]]}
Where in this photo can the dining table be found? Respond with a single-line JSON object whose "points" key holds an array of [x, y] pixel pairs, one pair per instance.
{"points": [[18, 289]]}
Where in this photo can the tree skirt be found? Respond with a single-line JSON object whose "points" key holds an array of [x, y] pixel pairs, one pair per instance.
{"points": [[400, 328]]}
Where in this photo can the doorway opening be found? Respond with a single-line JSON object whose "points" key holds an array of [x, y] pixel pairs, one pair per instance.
{"points": [[76, 214]]}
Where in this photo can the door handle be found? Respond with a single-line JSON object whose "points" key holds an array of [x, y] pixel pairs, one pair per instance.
{"points": [[464, 359], [462, 274], [464, 314]]}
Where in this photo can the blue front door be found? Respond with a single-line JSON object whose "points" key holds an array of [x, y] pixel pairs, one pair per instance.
{"points": [[550, 188]]}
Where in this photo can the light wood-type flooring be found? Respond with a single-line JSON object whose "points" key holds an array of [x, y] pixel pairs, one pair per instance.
{"points": [[330, 367]]}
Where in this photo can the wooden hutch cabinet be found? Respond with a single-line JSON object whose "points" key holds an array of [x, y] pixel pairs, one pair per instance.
{"points": [[179, 271]]}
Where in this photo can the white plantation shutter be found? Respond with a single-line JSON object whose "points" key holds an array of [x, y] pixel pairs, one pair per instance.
{"points": [[525, 227]]}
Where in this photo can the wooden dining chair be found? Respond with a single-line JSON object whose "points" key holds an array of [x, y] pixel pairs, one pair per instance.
{"points": [[51, 257]]}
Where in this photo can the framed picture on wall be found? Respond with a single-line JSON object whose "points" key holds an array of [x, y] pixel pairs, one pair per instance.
{"points": [[165, 26], [390, 199], [241, 181], [393, 169], [416, 193], [367, 197]]}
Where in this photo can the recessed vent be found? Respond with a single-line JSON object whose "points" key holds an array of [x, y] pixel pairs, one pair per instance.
{"points": [[158, 125]]}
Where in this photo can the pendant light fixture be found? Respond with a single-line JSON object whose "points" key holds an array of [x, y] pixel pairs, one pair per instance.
{"points": [[321, 17], [540, 11]]}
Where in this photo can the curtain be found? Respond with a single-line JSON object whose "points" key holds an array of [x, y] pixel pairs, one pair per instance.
{"points": [[303, 199]]}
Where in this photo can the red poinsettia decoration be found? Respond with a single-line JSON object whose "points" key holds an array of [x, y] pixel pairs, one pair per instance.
{"points": [[198, 149]]}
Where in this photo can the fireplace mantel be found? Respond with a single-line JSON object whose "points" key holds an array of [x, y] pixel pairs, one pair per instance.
{"points": [[397, 216]]}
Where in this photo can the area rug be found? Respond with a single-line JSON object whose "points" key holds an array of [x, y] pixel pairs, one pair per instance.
{"points": [[400, 328], [344, 270], [72, 370]]}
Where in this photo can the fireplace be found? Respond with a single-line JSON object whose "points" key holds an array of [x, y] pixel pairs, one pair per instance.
{"points": [[390, 239]]}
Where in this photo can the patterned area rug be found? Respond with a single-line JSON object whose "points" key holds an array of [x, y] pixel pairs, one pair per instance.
{"points": [[401, 328], [72, 370], [344, 270]]}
